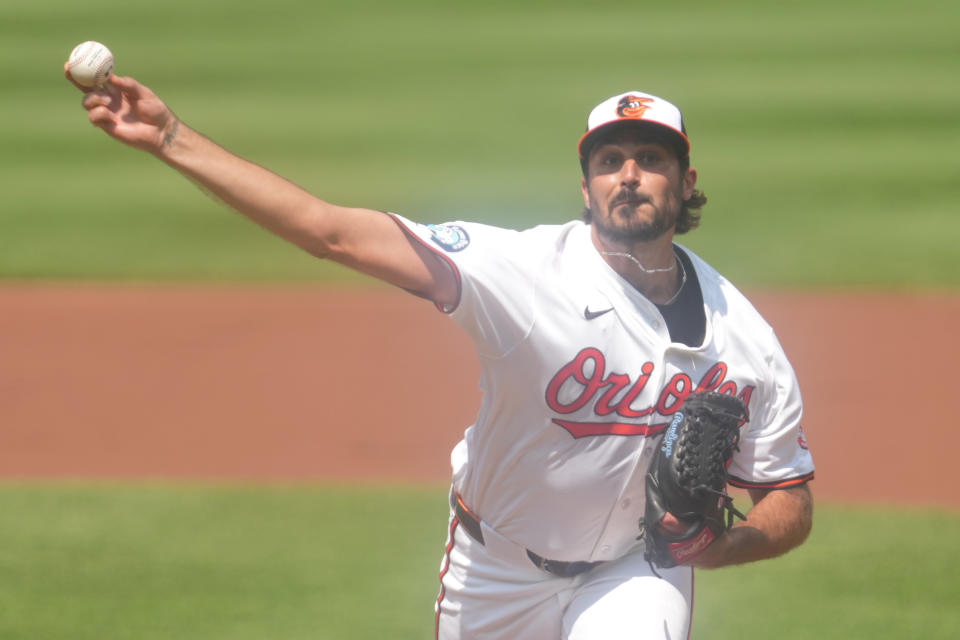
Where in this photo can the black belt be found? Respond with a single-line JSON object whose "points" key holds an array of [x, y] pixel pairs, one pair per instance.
{"points": [[562, 569], [466, 517], [471, 524]]}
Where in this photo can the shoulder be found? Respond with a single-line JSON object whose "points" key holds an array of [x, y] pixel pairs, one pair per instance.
{"points": [[546, 235], [461, 238], [729, 307], [458, 233], [719, 294]]}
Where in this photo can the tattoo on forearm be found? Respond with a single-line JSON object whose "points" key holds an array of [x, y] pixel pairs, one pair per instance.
{"points": [[170, 135]]}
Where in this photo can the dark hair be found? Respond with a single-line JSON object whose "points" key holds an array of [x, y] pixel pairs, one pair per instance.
{"points": [[689, 217]]}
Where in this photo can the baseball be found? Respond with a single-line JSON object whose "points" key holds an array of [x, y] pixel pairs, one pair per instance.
{"points": [[90, 63]]}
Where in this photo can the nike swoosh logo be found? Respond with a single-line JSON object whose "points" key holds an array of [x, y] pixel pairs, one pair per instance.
{"points": [[590, 315]]}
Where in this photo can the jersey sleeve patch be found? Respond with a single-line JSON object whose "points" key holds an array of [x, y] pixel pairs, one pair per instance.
{"points": [[451, 237]]}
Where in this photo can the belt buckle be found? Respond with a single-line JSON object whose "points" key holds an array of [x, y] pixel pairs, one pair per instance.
{"points": [[539, 561]]}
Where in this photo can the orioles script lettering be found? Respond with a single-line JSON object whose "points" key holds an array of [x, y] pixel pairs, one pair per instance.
{"points": [[585, 381]]}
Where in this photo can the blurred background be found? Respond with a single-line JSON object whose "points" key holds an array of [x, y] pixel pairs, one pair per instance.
{"points": [[824, 131], [825, 136]]}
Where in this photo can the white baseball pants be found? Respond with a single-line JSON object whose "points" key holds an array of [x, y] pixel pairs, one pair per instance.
{"points": [[492, 591]]}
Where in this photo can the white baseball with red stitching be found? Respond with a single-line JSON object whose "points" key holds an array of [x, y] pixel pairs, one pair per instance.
{"points": [[90, 63]]}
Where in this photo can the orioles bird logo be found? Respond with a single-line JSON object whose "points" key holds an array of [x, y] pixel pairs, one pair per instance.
{"points": [[632, 106]]}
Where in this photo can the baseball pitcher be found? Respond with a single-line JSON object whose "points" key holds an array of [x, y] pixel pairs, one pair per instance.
{"points": [[625, 382]]}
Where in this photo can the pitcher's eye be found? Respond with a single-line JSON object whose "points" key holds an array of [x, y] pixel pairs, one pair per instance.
{"points": [[610, 159], [648, 157]]}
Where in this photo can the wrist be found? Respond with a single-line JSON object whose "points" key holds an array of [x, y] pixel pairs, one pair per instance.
{"points": [[724, 550], [715, 555], [169, 136]]}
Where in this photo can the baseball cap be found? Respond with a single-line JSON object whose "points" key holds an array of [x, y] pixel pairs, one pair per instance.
{"points": [[638, 107]]}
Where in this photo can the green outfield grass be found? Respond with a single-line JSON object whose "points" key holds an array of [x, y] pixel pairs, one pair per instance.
{"points": [[97, 562], [163, 561], [825, 132], [864, 574]]}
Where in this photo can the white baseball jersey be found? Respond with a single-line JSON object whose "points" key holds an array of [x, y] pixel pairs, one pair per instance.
{"points": [[579, 373]]}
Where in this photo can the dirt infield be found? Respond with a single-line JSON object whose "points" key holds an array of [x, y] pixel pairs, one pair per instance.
{"points": [[312, 383]]}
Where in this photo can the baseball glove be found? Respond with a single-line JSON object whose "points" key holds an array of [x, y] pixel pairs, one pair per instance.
{"points": [[688, 478]]}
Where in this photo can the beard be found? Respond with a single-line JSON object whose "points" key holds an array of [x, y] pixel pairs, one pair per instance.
{"points": [[623, 225]]}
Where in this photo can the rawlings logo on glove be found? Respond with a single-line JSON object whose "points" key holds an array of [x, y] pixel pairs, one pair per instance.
{"points": [[688, 478]]}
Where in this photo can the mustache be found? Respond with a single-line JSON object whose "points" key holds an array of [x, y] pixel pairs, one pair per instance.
{"points": [[627, 196]]}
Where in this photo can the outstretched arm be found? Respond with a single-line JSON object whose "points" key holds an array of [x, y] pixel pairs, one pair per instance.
{"points": [[365, 240]]}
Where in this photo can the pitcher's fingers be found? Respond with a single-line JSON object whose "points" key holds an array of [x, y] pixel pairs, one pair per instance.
{"points": [[100, 116], [130, 86], [671, 524], [112, 90], [95, 99]]}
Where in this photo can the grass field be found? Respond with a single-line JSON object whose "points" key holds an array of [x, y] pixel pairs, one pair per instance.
{"points": [[103, 561], [824, 131]]}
